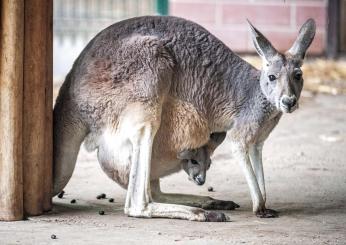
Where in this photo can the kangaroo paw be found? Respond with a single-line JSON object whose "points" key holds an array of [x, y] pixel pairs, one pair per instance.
{"points": [[219, 205], [267, 213], [216, 217]]}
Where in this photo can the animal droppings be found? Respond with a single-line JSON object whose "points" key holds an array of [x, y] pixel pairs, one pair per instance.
{"points": [[73, 201], [101, 196], [53, 236], [210, 188], [101, 212], [61, 194], [111, 200]]}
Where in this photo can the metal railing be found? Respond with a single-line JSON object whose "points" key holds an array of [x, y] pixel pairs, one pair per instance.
{"points": [[77, 21], [87, 17]]}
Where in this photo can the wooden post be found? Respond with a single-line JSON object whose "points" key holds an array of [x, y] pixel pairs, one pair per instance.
{"points": [[11, 100], [48, 171], [36, 174], [333, 33], [26, 63], [342, 41]]}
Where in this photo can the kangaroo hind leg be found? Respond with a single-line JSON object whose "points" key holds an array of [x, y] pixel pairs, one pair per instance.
{"points": [[204, 202], [139, 202]]}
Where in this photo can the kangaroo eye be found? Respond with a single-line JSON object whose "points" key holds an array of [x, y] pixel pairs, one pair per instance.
{"points": [[194, 162], [298, 75], [272, 77]]}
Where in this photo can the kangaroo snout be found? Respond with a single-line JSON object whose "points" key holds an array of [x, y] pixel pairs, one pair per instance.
{"points": [[199, 179], [288, 103]]}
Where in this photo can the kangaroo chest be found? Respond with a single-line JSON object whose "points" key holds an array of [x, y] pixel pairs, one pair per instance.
{"points": [[182, 127]]}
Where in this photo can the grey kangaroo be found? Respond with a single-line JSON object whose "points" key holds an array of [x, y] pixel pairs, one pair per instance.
{"points": [[147, 88], [196, 162]]}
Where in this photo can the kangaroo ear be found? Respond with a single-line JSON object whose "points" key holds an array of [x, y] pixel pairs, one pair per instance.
{"points": [[217, 138], [263, 47], [186, 154], [304, 39]]}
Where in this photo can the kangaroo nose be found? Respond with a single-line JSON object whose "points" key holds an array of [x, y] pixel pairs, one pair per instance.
{"points": [[289, 102], [199, 180]]}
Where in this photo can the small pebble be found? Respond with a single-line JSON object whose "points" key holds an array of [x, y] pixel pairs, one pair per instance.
{"points": [[210, 188], [53, 236], [111, 200], [101, 212], [159, 233], [61, 194], [73, 201]]}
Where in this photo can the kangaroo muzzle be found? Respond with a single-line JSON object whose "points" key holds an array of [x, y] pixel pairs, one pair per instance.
{"points": [[288, 103], [199, 179]]}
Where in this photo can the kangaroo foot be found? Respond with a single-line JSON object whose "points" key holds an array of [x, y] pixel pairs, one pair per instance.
{"points": [[267, 213], [214, 204], [216, 217]]}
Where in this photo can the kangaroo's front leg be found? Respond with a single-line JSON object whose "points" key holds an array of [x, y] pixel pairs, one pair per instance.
{"points": [[204, 202], [138, 200], [241, 152], [255, 153]]}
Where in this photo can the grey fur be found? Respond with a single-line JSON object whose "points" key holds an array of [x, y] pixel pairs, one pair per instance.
{"points": [[153, 60], [304, 39], [263, 47]]}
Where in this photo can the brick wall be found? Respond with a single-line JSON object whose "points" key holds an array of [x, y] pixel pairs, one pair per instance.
{"points": [[278, 20]]}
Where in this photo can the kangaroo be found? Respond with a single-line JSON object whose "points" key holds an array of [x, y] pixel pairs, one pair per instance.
{"points": [[196, 162], [148, 87]]}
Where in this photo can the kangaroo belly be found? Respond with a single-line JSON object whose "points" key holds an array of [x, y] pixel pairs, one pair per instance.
{"points": [[115, 147], [181, 128], [114, 155]]}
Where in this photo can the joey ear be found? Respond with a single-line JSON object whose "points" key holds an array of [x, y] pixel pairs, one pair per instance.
{"points": [[304, 39], [186, 154], [217, 138], [263, 47]]}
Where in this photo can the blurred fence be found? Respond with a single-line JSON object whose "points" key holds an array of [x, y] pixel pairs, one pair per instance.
{"points": [[77, 21], [85, 18]]}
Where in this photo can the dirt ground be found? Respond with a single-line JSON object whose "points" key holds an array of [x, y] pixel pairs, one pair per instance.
{"points": [[305, 168]]}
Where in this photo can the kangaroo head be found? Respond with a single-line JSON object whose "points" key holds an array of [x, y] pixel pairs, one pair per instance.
{"points": [[195, 162], [281, 76]]}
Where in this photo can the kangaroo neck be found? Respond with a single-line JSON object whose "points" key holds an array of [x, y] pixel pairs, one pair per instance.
{"points": [[242, 97]]}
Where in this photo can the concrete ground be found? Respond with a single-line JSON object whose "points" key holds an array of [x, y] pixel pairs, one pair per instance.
{"points": [[305, 170]]}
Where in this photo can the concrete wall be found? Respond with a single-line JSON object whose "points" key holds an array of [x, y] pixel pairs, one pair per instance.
{"points": [[279, 20]]}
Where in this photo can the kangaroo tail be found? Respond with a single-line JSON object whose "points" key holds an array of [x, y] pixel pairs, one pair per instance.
{"points": [[69, 133]]}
